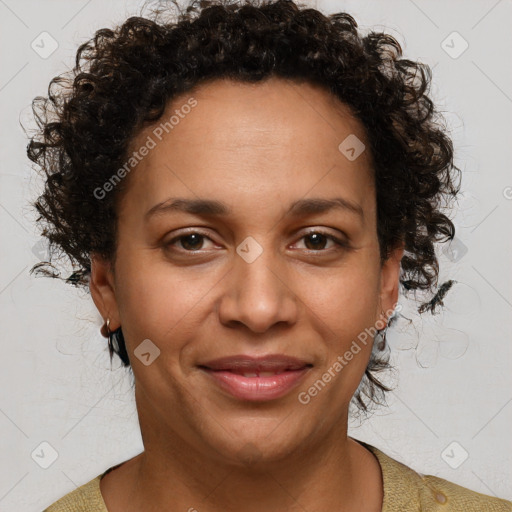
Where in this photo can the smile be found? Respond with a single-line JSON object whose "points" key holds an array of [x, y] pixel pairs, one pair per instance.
{"points": [[257, 386]]}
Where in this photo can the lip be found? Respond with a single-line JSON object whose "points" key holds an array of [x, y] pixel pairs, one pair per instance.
{"points": [[227, 373], [257, 388], [247, 363]]}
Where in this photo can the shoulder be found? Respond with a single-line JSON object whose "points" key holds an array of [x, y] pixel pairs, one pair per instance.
{"points": [[461, 498], [85, 498], [406, 489]]}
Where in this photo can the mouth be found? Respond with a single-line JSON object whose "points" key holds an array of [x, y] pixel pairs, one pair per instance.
{"points": [[256, 385], [245, 363], [256, 373], [256, 377]]}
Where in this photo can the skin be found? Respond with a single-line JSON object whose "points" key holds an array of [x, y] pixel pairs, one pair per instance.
{"points": [[257, 148]]}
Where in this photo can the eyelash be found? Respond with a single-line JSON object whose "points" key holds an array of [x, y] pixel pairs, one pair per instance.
{"points": [[340, 243]]}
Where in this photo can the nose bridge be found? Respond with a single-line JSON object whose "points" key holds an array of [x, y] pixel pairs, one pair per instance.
{"points": [[257, 294]]}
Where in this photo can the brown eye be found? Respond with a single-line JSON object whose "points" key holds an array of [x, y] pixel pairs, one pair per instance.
{"points": [[189, 242], [192, 242], [317, 240]]}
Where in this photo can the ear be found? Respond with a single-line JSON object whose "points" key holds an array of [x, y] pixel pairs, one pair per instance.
{"points": [[390, 274], [102, 288]]}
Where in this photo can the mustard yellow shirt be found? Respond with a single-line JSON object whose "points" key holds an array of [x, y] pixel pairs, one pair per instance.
{"points": [[405, 490]]}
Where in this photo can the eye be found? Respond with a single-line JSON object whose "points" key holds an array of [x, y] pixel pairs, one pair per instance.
{"points": [[190, 242], [193, 241], [318, 238]]}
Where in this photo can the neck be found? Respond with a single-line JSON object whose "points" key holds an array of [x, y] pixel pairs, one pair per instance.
{"points": [[184, 469], [331, 474]]}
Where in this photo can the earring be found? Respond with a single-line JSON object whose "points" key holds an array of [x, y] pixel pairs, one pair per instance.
{"points": [[116, 343], [105, 329], [109, 334]]}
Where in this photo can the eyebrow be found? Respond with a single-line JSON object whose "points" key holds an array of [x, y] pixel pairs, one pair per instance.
{"points": [[211, 207]]}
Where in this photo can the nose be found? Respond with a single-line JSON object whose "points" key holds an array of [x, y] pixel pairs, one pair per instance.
{"points": [[258, 294]]}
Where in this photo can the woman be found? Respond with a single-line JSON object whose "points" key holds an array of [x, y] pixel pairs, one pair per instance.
{"points": [[244, 191]]}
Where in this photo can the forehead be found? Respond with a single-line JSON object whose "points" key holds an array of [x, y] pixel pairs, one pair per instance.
{"points": [[274, 137]]}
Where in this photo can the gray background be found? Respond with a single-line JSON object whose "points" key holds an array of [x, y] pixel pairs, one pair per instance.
{"points": [[451, 411]]}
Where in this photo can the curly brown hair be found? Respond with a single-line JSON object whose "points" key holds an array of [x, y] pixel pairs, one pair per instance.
{"points": [[124, 78]]}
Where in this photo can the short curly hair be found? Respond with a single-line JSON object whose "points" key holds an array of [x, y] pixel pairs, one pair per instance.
{"points": [[124, 78]]}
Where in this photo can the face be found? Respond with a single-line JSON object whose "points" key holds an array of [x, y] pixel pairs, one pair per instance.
{"points": [[261, 278]]}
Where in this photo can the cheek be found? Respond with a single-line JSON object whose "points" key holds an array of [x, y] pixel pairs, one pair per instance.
{"points": [[155, 299], [345, 300], [345, 309]]}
